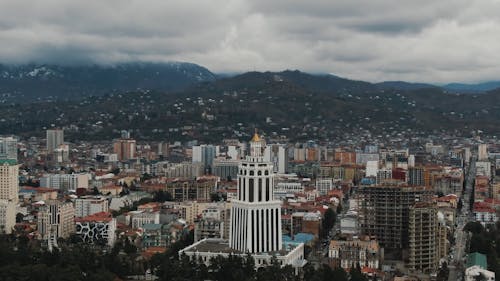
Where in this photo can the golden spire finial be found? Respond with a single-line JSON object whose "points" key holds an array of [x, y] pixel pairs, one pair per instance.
{"points": [[256, 137]]}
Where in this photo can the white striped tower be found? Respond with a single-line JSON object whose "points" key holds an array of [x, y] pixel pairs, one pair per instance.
{"points": [[255, 215]]}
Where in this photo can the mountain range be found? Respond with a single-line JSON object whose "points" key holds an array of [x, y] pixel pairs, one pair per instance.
{"points": [[186, 101], [31, 82]]}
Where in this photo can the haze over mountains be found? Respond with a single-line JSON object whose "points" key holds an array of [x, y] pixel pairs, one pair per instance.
{"points": [[177, 100], [25, 83]]}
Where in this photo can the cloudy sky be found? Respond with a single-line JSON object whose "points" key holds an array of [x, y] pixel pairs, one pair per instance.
{"points": [[425, 40]]}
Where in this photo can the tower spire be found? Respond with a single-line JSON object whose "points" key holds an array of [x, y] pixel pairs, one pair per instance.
{"points": [[256, 136]]}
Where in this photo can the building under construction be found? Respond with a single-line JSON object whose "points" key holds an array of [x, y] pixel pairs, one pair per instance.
{"points": [[384, 212], [425, 237]]}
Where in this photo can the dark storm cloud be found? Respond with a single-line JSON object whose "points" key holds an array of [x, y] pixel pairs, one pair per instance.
{"points": [[432, 41]]}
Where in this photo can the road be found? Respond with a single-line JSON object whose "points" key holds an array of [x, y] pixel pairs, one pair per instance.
{"points": [[456, 265]]}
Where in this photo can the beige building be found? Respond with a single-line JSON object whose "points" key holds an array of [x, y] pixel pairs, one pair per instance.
{"points": [[125, 149], [347, 254], [199, 190], [56, 219], [190, 210], [9, 181]]}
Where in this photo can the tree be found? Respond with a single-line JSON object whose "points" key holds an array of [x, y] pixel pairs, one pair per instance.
{"points": [[356, 274], [128, 247], [162, 196], [95, 191], [328, 221], [19, 217], [443, 272]]}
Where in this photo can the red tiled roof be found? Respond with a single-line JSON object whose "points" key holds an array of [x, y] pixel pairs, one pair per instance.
{"points": [[97, 217]]}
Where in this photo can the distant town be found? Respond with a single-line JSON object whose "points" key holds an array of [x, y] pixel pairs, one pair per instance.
{"points": [[405, 209]]}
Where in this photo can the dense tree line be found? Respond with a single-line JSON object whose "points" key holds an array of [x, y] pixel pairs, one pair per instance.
{"points": [[24, 259], [486, 240], [170, 267], [21, 259]]}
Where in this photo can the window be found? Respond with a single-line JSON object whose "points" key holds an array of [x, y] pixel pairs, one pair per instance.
{"points": [[250, 190]]}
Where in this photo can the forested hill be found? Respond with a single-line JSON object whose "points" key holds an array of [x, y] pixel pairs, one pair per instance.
{"points": [[291, 103], [25, 83]]}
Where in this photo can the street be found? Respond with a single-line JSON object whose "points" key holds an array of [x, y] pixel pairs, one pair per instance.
{"points": [[456, 265]]}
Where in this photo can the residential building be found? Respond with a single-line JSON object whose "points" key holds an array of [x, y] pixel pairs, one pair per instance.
{"points": [[55, 137], [189, 189], [346, 254], [323, 186], [89, 205], [226, 169], [7, 216], [205, 154], [125, 149], [277, 154], [482, 152], [139, 218], [8, 148], [214, 222], [56, 219], [66, 182], [9, 180]]}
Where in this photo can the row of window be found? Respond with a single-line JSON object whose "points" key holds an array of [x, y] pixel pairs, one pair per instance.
{"points": [[251, 172]]}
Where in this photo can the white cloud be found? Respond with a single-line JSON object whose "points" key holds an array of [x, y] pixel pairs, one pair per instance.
{"points": [[429, 41]]}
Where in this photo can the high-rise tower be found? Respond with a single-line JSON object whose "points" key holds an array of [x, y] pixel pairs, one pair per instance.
{"points": [[55, 137], [255, 215]]}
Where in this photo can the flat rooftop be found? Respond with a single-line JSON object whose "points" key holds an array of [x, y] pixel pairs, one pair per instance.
{"points": [[221, 246]]}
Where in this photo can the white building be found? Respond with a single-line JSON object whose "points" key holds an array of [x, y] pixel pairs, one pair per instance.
{"points": [[177, 170], [61, 153], [140, 218], [8, 148], [233, 152], [89, 205], [205, 154], [485, 215], [65, 182], [363, 158], [277, 154], [324, 185], [472, 273], [411, 161], [283, 189], [7, 216], [383, 174], [371, 168], [483, 168], [255, 215], [349, 223]]}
